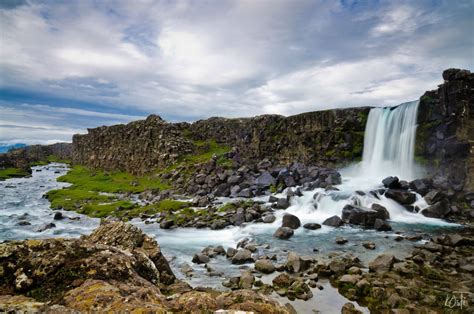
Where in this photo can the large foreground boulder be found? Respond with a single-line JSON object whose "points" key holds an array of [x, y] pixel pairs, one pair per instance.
{"points": [[116, 269], [401, 196], [333, 221]]}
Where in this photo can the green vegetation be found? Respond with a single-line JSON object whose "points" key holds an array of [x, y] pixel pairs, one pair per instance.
{"points": [[206, 150], [90, 193], [9, 173]]}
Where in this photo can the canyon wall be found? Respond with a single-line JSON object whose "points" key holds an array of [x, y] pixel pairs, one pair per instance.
{"points": [[25, 156], [326, 138], [445, 134], [323, 137]]}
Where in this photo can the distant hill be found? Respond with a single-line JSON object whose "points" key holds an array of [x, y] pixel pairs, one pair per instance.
{"points": [[6, 148]]}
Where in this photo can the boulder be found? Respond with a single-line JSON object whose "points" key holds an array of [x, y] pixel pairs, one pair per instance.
{"points": [[312, 226], [419, 186], [58, 216], [437, 210], [283, 233], [382, 263], [382, 225], [358, 215], [300, 290], [369, 245], [401, 196], [264, 266], [296, 263], [333, 221], [268, 218], [291, 221], [282, 281], [391, 182], [434, 196], [45, 227], [341, 240], [230, 252], [282, 203], [200, 259], [242, 256], [382, 211], [246, 280], [265, 179]]}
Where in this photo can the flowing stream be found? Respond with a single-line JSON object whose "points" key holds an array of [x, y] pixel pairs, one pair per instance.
{"points": [[388, 150]]}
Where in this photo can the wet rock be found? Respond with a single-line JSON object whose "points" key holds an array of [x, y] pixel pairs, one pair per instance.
{"points": [[230, 252], [269, 218], [23, 223], [58, 216], [434, 196], [291, 221], [264, 266], [382, 211], [296, 263], [419, 186], [282, 203], [401, 196], [437, 210], [391, 183], [300, 290], [382, 263], [166, 224], [369, 245], [282, 281], [200, 259], [246, 193], [246, 280], [312, 226], [283, 233], [358, 215], [272, 199], [349, 308], [333, 221], [382, 225], [242, 256], [349, 279], [340, 240], [46, 227]]}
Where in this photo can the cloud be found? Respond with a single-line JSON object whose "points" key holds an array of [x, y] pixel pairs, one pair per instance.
{"points": [[101, 62]]}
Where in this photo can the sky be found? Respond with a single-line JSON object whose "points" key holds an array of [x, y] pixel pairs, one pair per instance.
{"points": [[66, 66]]}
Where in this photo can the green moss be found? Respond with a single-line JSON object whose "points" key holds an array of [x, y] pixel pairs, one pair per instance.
{"points": [[426, 99], [74, 199], [9, 173], [101, 210], [206, 150], [83, 178]]}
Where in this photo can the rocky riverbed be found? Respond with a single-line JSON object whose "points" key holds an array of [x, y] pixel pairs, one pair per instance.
{"points": [[319, 267]]}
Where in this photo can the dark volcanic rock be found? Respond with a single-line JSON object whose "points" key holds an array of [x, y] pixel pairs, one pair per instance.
{"points": [[333, 221], [401, 196], [419, 186], [312, 226], [282, 203], [283, 233], [437, 210], [359, 215], [242, 256], [291, 221], [382, 225], [391, 183]]}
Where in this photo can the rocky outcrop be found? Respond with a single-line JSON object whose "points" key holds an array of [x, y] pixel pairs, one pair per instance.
{"points": [[445, 131], [324, 137], [24, 157], [115, 269]]}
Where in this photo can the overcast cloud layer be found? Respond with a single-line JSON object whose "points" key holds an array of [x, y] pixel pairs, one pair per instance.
{"points": [[66, 66]]}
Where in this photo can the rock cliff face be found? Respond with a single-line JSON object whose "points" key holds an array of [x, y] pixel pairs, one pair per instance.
{"points": [[324, 137], [445, 134], [23, 157]]}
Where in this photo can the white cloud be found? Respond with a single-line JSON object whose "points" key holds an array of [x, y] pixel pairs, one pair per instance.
{"points": [[187, 60]]}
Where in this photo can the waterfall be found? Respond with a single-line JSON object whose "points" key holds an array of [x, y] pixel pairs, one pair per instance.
{"points": [[389, 142]]}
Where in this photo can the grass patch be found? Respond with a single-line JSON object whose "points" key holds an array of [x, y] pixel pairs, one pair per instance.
{"points": [[114, 182], [206, 150], [9, 173], [84, 194]]}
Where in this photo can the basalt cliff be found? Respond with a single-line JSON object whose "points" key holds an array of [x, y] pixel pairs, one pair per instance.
{"points": [[327, 138]]}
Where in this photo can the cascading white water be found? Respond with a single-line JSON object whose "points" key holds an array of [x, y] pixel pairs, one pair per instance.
{"points": [[389, 142]]}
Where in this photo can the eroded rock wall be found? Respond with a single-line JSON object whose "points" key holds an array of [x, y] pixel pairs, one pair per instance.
{"points": [[445, 134], [23, 157], [324, 137]]}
